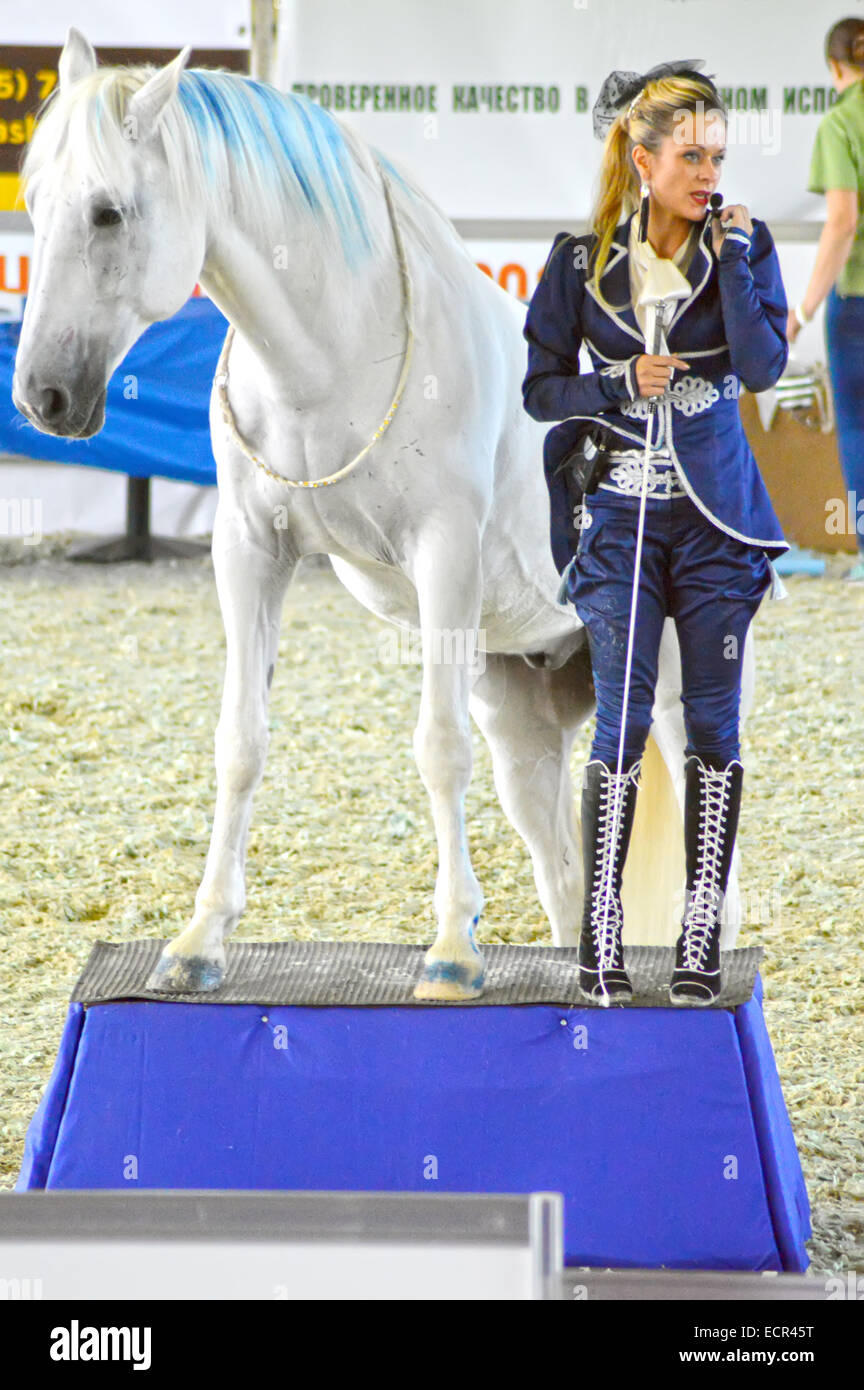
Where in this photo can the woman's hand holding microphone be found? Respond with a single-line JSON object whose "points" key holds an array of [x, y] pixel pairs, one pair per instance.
{"points": [[654, 374], [724, 219]]}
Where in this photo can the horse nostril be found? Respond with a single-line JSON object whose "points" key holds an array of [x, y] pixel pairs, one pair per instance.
{"points": [[53, 404]]}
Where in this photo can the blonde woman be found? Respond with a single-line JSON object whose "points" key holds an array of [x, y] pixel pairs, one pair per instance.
{"points": [[710, 529]]}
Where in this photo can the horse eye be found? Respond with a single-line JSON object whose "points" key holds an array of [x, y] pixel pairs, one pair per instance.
{"points": [[107, 217]]}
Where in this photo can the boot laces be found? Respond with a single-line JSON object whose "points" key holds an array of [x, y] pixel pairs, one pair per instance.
{"points": [[706, 898], [607, 917], [703, 908]]}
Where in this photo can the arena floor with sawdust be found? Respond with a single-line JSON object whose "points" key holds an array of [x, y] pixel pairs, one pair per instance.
{"points": [[109, 691]]}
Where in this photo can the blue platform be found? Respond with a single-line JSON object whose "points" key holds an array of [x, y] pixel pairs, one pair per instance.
{"points": [[665, 1130], [159, 429]]}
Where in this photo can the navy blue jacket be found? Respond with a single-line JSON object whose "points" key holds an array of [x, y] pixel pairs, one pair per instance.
{"points": [[731, 330]]}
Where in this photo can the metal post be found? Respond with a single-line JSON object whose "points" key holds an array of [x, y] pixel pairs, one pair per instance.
{"points": [[262, 54], [138, 543], [137, 507]]}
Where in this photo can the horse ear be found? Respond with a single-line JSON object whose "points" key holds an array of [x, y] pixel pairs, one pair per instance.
{"points": [[77, 59], [147, 106]]}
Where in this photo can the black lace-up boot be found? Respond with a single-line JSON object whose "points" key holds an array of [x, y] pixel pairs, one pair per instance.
{"points": [[712, 800], [608, 806]]}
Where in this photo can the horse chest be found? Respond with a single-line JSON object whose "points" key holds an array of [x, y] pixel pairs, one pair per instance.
{"points": [[382, 589]]}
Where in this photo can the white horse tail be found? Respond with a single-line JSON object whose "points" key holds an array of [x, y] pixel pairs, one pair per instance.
{"points": [[652, 886]]}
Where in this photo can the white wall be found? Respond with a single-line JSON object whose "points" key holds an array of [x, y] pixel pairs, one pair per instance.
{"points": [[487, 164]]}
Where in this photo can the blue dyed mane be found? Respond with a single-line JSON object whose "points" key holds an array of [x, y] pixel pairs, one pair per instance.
{"points": [[242, 147], [287, 144]]}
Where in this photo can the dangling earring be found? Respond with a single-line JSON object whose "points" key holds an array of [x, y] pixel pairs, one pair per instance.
{"points": [[643, 211]]}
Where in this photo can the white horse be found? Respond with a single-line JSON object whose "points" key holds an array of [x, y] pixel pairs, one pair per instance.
{"points": [[142, 182]]}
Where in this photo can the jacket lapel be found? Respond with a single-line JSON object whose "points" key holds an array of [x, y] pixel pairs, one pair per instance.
{"points": [[698, 273], [616, 279]]}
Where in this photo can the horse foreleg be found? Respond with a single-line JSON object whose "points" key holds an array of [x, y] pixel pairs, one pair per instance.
{"points": [[447, 577], [251, 584]]}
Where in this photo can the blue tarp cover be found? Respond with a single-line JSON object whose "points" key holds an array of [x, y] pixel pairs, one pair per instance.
{"points": [[163, 431], [665, 1130]]}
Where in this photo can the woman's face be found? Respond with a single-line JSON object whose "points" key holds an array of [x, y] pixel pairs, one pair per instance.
{"points": [[686, 169]]}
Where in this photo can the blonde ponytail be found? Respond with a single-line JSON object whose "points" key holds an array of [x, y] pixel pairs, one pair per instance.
{"points": [[647, 121], [619, 196]]}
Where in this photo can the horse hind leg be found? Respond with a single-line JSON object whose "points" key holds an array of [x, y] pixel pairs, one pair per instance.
{"points": [[529, 717], [251, 585]]}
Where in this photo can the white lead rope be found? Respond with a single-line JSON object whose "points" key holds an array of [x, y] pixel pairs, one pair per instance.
{"points": [[658, 344], [634, 597]]}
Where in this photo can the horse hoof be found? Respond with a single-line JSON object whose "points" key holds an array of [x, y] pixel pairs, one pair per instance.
{"points": [[185, 975], [449, 981]]}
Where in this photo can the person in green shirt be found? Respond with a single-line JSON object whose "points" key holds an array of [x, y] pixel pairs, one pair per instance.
{"points": [[837, 170]]}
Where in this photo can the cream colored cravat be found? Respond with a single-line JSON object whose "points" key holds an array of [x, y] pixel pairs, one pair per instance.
{"points": [[640, 255]]}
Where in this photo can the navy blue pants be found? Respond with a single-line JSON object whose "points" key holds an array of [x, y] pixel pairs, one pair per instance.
{"points": [[709, 582], [844, 338]]}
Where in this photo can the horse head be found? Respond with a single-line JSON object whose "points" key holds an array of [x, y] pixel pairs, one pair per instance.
{"points": [[114, 250]]}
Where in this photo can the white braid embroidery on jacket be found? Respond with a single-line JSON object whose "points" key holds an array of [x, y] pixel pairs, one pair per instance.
{"points": [[691, 395]]}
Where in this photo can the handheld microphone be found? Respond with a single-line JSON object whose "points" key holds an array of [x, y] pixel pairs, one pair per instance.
{"points": [[715, 203]]}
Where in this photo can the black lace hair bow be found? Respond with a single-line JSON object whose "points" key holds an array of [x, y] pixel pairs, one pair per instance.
{"points": [[620, 88]]}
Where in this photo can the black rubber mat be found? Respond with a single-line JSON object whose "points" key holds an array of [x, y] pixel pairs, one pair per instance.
{"points": [[357, 973]]}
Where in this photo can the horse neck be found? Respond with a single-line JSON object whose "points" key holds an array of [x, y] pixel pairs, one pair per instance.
{"points": [[297, 304]]}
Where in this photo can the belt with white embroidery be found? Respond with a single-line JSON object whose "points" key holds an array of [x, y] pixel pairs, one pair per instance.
{"points": [[627, 468]]}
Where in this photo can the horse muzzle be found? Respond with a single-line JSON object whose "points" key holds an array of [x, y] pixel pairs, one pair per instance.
{"points": [[54, 409]]}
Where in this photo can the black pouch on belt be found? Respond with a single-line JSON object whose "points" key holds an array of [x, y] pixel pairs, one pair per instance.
{"points": [[588, 463], [568, 478]]}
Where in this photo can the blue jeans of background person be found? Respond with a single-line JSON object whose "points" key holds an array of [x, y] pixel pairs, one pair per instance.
{"points": [[844, 341], [708, 581]]}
